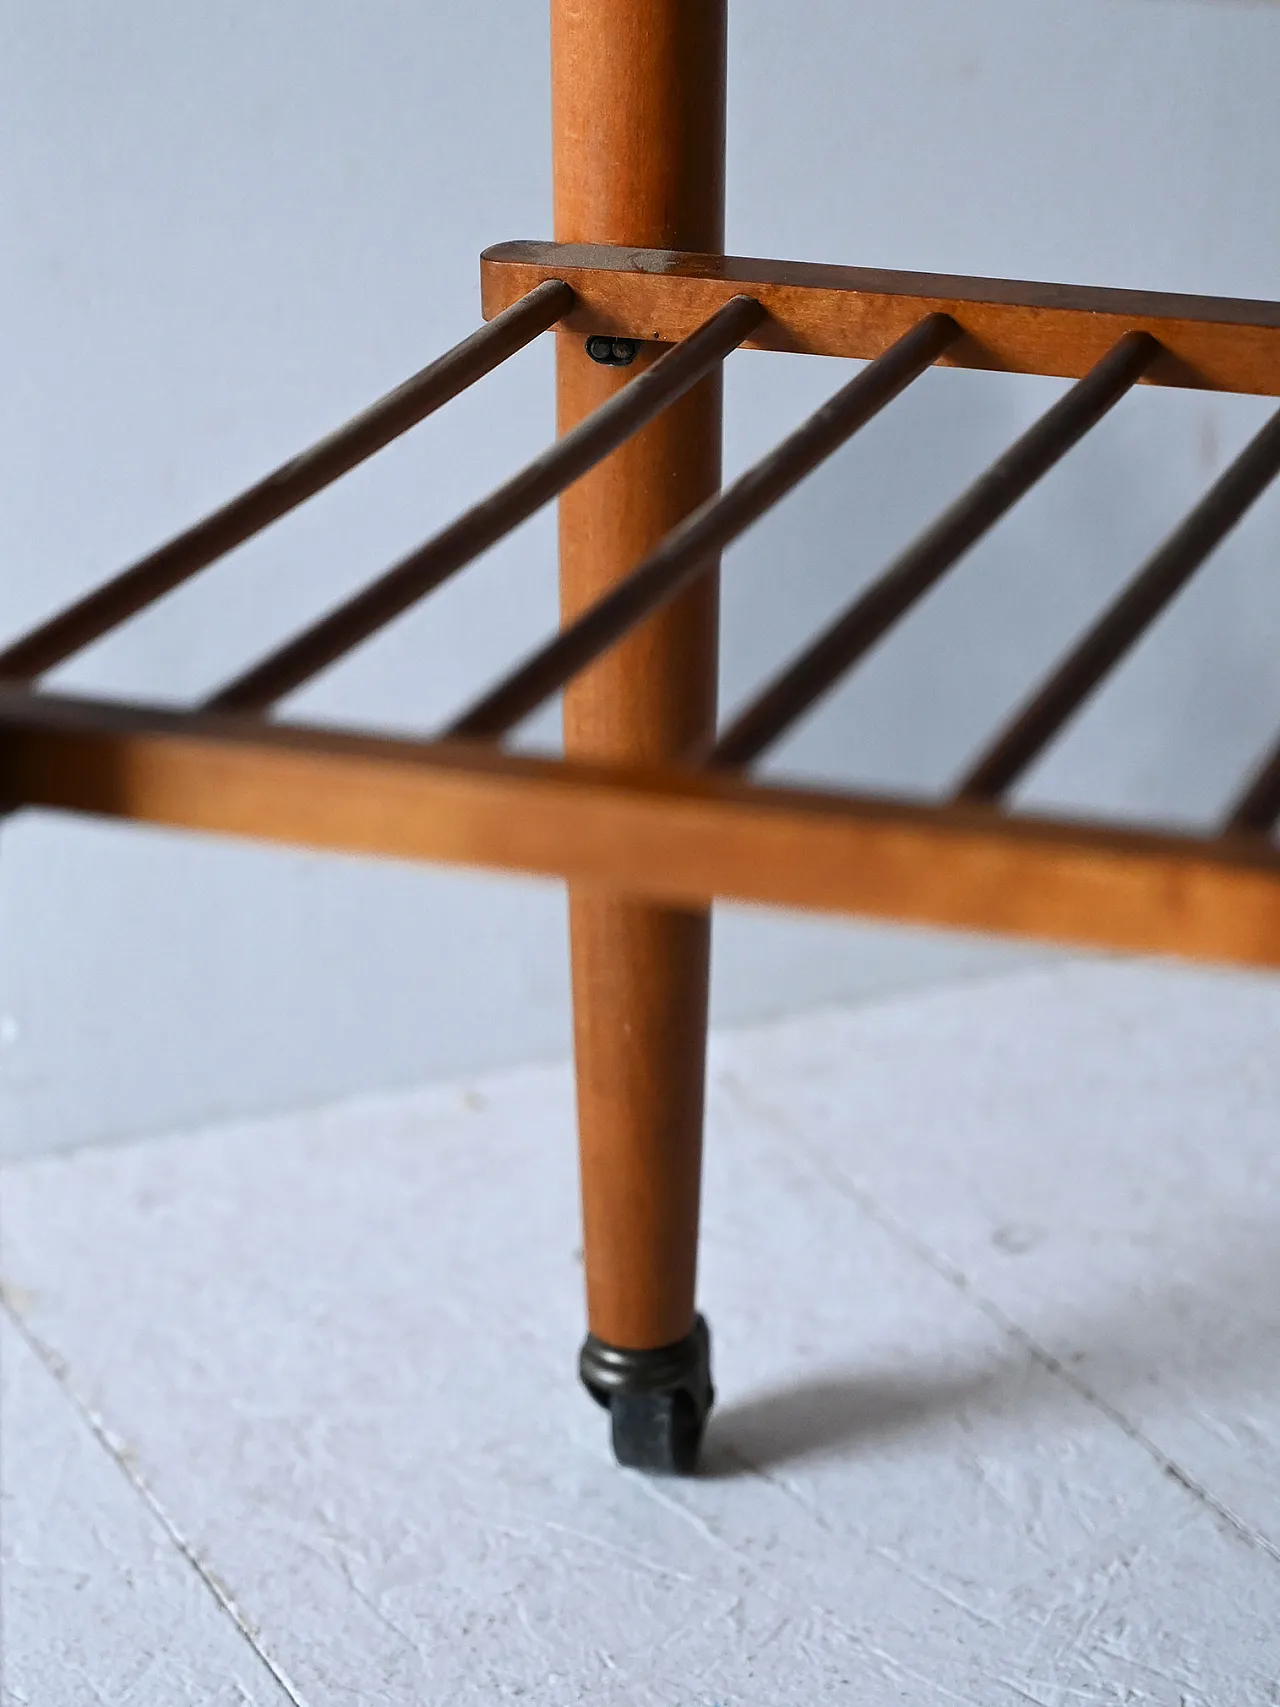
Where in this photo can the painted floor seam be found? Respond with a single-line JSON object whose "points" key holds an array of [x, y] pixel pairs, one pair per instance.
{"points": [[56, 1367], [910, 1241]]}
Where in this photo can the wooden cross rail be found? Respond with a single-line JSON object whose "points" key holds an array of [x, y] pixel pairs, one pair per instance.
{"points": [[685, 837], [695, 831], [1207, 342]]}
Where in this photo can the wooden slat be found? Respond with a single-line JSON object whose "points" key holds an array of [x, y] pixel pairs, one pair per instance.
{"points": [[1259, 807], [1210, 343], [170, 565], [684, 837], [892, 594], [693, 546], [480, 527], [1123, 624]]}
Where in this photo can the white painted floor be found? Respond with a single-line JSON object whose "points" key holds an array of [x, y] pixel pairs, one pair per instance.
{"points": [[995, 1278]]}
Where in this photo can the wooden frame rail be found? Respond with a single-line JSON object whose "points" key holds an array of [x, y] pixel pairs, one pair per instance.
{"points": [[678, 836], [1207, 343]]}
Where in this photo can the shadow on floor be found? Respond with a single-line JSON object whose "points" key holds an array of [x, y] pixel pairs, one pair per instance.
{"points": [[836, 1413], [1203, 1320]]}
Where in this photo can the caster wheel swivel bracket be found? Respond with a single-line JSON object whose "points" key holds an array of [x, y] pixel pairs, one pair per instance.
{"points": [[658, 1400]]}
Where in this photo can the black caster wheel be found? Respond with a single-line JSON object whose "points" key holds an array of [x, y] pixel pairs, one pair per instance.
{"points": [[658, 1432], [658, 1400]]}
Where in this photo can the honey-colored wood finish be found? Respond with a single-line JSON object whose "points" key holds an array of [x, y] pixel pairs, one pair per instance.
{"points": [[650, 817], [638, 90], [1209, 343], [678, 837]]}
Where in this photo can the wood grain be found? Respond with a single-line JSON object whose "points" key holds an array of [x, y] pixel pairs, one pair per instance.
{"points": [[638, 155], [678, 837], [1209, 343]]}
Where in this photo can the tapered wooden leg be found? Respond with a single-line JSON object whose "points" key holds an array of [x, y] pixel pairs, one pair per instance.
{"points": [[638, 95]]}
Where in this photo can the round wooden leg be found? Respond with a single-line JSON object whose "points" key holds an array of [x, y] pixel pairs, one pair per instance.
{"points": [[638, 123]]}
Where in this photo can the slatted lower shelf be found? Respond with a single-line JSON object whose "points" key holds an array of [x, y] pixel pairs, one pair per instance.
{"points": [[703, 829]]}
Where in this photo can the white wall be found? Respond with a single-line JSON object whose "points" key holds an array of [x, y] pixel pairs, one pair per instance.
{"points": [[225, 228]]}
